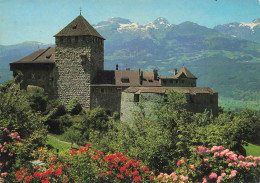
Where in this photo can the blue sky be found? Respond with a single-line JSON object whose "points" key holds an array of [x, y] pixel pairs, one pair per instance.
{"points": [[39, 20]]}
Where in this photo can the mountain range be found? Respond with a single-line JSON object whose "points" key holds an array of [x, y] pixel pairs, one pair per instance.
{"points": [[225, 58]]}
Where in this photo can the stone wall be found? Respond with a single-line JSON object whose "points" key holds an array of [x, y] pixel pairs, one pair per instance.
{"points": [[196, 103], [107, 97], [77, 60], [131, 106], [203, 101]]}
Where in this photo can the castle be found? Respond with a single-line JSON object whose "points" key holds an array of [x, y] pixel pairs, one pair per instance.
{"points": [[75, 69]]}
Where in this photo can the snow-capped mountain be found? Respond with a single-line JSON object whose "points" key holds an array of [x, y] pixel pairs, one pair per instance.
{"points": [[249, 31], [125, 25]]}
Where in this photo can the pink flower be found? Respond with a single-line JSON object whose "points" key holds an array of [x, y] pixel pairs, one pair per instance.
{"points": [[228, 160], [232, 174], [230, 164], [173, 174], [213, 175], [182, 177], [240, 157], [204, 179], [160, 176], [205, 160], [233, 157], [223, 174], [10, 154], [3, 174], [180, 162]]}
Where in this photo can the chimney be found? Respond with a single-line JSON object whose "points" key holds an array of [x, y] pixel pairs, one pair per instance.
{"points": [[175, 71], [116, 66], [155, 74]]}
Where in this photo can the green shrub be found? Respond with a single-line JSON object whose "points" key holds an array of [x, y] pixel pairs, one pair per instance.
{"points": [[74, 107]]}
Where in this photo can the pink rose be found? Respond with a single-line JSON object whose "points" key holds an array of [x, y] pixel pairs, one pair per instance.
{"points": [[205, 160], [213, 175], [223, 174], [160, 176]]}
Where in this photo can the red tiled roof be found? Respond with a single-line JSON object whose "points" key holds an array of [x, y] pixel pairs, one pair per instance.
{"points": [[184, 71]]}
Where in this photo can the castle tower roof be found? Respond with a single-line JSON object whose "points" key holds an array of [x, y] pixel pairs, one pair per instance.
{"points": [[79, 27], [186, 72]]}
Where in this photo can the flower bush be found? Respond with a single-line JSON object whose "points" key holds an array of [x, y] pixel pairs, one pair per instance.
{"points": [[85, 165], [215, 165], [9, 144]]}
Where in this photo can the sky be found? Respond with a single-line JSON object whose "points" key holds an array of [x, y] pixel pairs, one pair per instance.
{"points": [[39, 20]]}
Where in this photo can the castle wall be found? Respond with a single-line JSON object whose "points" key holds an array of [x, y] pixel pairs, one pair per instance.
{"points": [[203, 101], [196, 103], [181, 82], [40, 75], [77, 60], [107, 97], [131, 106]]}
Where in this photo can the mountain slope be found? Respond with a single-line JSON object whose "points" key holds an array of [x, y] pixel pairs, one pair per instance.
{"points": [[249, 31]]}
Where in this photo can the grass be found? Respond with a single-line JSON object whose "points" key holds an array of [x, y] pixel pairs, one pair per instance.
{"points": [[253, 150], [59, 145], [230, 104]]}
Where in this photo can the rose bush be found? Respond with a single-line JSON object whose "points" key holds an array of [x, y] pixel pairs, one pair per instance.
{"points": [[215, 165]]}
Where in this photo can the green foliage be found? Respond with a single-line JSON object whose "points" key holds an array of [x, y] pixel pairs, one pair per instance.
{"points": [[74, 107], [93, 122], [57, 118], [159, 141], [38, 101], [16, 112]]}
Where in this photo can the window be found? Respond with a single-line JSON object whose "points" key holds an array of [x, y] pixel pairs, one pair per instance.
{"points": [[164, 81], [69, 39], [61, 39], [76, 39], [171, 81], [125, 80], [177, 81], [136, 97], [84, 38], [150, 80], [182, 81], [102, 90]]}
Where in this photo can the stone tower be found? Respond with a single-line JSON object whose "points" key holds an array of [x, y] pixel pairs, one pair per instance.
{"points": [[79, 55]]}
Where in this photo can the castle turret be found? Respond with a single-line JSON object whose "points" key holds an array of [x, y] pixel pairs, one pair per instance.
{"points": [[79, 55]]}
